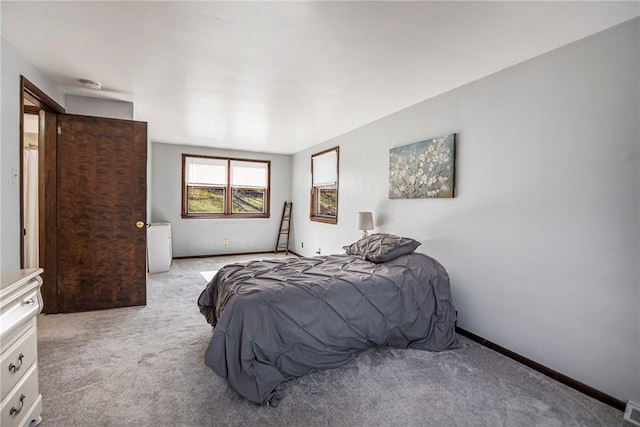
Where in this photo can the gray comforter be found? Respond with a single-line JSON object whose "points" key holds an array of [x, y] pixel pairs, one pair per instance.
{"points": [[279, 319]]}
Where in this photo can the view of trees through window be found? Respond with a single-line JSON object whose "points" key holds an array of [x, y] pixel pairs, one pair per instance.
{"points": [[327, 201], [211, 200], [248, 201], [205, 199]]}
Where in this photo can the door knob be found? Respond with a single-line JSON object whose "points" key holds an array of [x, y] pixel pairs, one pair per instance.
{"points": [[140, 224]]}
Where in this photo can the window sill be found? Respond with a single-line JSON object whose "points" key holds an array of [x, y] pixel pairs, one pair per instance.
{"points": [[223, 216], [324, 219]]}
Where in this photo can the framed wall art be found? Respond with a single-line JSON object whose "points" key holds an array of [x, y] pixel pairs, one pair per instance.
{"points": [[424, 169]]}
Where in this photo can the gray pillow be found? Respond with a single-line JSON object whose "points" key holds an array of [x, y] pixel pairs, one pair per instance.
{"points": [[381, 247]]}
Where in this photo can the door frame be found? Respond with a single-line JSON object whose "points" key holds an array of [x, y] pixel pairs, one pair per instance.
{"points": [[47, 188]]}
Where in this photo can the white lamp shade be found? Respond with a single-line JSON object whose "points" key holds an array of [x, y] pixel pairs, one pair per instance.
{"points": [[364, 221]]}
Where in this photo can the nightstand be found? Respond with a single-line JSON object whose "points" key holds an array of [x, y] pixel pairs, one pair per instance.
{"points": [[20, 303]]}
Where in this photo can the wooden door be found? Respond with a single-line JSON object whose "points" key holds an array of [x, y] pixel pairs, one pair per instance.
{"points": [[102, 192], [48, 210]]}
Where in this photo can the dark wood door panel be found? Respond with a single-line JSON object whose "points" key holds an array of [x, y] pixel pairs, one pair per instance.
{"points": [[102, 194], [48, 210]]}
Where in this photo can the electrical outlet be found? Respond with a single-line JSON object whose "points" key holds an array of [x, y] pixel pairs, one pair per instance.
{"points": [[14, 176], [225, 242]]}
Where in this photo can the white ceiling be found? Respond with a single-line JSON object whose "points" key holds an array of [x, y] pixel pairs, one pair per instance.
{"points": [[282, 76]]}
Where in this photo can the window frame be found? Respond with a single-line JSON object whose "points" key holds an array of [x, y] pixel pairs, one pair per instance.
{"points": [[313, 214], [228, 190]]}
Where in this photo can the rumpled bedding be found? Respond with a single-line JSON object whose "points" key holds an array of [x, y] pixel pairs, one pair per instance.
{"points": [[279, 319]]}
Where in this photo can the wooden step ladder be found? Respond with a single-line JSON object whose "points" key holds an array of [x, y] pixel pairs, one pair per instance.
{"points": [[285, 226]]}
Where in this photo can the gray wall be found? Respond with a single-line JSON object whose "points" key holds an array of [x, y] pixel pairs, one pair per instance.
{"points": [[98, 107], [14, 65], [205, 236], [542, 241]]}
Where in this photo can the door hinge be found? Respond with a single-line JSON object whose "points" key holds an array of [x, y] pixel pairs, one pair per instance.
{"points": [[59, 130]]}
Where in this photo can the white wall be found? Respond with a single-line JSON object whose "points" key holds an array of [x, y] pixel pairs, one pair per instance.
{"points": [[98, 107], [542, 241], [193, 237], [13, 65]]}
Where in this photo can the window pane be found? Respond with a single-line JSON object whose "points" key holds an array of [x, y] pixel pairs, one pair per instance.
{"points": [[248, 200], [202, 199], [326, 198], [249, 174], [201, 170]]}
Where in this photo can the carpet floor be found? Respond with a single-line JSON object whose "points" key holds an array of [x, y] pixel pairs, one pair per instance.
{"points": [[144, 366]]}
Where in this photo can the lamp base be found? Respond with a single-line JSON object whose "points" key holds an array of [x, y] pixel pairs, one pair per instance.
{"points": [[365, 233]]}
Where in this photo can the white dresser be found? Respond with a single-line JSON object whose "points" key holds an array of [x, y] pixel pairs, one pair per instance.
{"points": [[20, 302]]}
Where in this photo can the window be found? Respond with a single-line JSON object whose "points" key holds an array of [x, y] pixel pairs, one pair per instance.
{"points": [[324, 186], [214, 187]]}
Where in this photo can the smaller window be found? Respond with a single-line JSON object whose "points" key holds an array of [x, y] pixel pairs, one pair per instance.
{"points": [[215, 187], [324, 186]]}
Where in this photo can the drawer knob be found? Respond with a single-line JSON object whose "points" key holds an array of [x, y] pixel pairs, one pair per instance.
{"points": [[29, 301], [15, 368], [15, 411]]}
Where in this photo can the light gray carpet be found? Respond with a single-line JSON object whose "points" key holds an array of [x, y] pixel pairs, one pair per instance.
{"points": [[143, 366]]}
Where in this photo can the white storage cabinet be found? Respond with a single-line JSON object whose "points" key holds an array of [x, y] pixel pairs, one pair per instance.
{"points": [[159, 250]]}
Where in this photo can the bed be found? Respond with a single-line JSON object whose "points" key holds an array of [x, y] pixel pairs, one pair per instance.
{"points": [[283, 318]]}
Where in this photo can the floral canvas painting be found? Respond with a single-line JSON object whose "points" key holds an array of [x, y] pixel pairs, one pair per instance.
{"points": [[423, 170]]}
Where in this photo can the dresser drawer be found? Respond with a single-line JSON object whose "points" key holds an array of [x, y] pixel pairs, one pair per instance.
{"points": [[18, 403], [18, 310], [17, 359]]}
